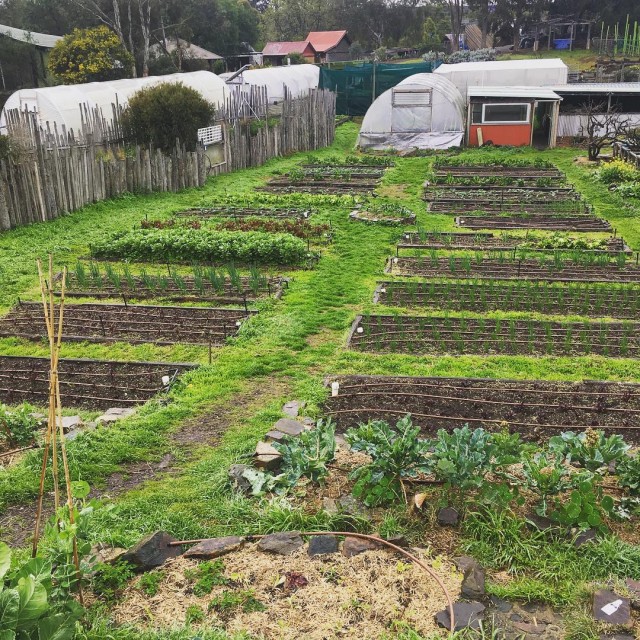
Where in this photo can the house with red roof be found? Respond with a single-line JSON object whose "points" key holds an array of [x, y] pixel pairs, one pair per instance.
{"points": [[276, 53], [330, 46]]}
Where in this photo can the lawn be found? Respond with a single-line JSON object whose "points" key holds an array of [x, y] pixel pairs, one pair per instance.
{"points": [[218, 412]]}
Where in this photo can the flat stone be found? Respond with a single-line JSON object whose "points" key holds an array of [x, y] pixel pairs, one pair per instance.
{"points": [[504, 606], [530, 627], [152, 551], [238, 481], [618, 636], [292, 409], [215, 547], [321, 545], [115, 414], [276, 436], [288, 426], [541, 523], [609, 607], [399, 540], [448, 517], [308, 422], [464, 563], [267, 456], [634, 590], [466, 614], [348, 504], [330, 506], [70, 423], [589, 535], [283, 544], [473, 583], [355, 546]]}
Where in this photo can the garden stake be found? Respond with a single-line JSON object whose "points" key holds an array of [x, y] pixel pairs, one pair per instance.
{"points": [[361, 536]]}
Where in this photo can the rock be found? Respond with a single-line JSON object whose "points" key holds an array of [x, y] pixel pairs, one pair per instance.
{"points": [[589, 535], [448, 517], [275, 435], [473, 583], [152, 551], [288, 427], [101, 553], [267, 456], [348, 504], [399, 540], [308, 422], [634, 590], [283, 544], [215, 547], [292, 409], [609, 607], [329, 505], [541, 523], [618, 636], [501, 605], [71, 423], [466, 614], [530, 627], [354, 546], [115, 414], [238, 481], [321, 545], [341, 443], [166, 461]]}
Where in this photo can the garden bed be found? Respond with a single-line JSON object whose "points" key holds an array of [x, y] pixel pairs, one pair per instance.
{"points": [[378, 217], [510, 269], [589, 300], [584, 223], [332, 186], [243, 212], [205, 285], [456, 205], [93, 384], [496, 180], [505, 191], [128, 323], [533, 408], [441, 335]]}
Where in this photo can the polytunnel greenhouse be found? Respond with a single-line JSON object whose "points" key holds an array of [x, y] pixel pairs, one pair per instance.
{"points": [[423, 111]]}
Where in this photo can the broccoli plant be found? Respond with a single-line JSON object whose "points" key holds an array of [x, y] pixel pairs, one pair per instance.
{"points": [[591, 448]]}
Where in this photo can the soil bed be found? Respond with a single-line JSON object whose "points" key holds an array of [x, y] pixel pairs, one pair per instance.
{"points": [[380, 218], [94, 384], [332, 186], [243, 212], [465, 171], [458, 205], [533, 408], [441, 335], [128, 323], [225, 293], [615, 301], [509, 269], [584, 223], [502, 193]]}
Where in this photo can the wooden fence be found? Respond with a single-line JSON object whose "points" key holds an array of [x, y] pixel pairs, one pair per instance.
{"points": [[61, 171], [624, 153]]}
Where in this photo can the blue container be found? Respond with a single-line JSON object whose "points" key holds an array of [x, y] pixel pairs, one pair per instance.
{"points": [[562, 43]]}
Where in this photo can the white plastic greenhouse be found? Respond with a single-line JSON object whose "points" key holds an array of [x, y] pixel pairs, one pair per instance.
{"points": [[297, 78], [423, 111], [505, 73], [60, 105]]}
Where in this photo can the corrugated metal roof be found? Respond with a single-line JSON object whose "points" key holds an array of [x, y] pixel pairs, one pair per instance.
{"points": [[497, 65], [542, 93], [323, 41], [285, 48], [598, 87], [32, 37], [192, 50]]}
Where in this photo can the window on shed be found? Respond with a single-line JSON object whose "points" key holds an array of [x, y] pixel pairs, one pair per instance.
{"points": [[476, 113], [514, 112], [412, 97]]}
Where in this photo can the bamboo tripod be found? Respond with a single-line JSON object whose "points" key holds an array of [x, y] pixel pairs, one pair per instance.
{"points": [[54, 434]]}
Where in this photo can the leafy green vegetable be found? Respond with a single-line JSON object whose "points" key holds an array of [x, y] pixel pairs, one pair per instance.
{"points": [[591, 448]]}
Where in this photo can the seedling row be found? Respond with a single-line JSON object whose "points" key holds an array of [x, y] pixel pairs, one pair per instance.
{"points": [[533, 408], [243, 212], [585, 299], [578, 223], [440, 335], [95, 384], [129, 323], [455, 205]]}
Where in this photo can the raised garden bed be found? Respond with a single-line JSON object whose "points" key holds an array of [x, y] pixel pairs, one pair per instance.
{"points": [[128, 323], [205, 285], [243, 212], [441, 335], [383, 217], [533, 408], [93, 384], [527, 191], [496, 179], [331, 186], [551, 207], [350, 171], [584, 223], [503, 242], [509, 269], [584, 299]]}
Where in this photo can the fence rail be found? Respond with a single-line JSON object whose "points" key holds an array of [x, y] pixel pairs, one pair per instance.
{"points": [[622, 151]]}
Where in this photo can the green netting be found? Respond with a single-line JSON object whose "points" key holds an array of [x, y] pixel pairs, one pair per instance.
{"points": [[354, 83]]}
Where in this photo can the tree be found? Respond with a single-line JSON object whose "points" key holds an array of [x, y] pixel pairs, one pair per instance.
{"points": [[90, 55], [456, 12], [159, 115], [602, 128]]}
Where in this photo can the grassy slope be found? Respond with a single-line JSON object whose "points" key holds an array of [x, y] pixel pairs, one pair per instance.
{"points": [[287, 349]]}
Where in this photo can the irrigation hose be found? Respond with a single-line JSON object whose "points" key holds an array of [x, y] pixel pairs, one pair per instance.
{"points": [[361, 536]]}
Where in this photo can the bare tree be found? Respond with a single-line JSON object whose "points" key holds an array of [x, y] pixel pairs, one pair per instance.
{"points": [[456, 11], [144, 7], [603, 126]]}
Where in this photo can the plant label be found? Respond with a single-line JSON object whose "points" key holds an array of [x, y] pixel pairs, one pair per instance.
{"points": [[335, 387], [612, 607]]}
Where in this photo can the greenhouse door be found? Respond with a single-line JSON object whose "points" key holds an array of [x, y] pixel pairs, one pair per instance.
{"points": [[411, 110]]}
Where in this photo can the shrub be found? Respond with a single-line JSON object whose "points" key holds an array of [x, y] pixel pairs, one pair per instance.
{"points": [[629, 189], [90, 55], [17, 426], [617, 171], [160, 115], [197, 245]]}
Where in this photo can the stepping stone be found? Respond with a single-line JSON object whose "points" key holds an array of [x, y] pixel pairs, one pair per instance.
{"points": [[330, 506], [215, 547], [238, 481], [504, 606], [634, 590], [321, 545], [152, 551], [448, 517], [348, 504], [590, 535], [283, 544], [473, 583], [71, 423], [276, 436], [466, 614], [115, 414], [292, 409], [355, 546], [267, 456], [609, 607], [288, 427]]}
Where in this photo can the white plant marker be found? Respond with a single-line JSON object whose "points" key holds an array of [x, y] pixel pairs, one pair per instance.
{"points": [[611, 608], [335, 387]]}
